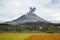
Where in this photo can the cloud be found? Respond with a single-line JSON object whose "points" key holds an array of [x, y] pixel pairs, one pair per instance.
{"points": [[54, 10], [12, 9], [54, 13], [54, 4]]}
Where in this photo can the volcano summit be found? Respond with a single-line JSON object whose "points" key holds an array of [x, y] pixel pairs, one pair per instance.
{"points": [[29, 18]]}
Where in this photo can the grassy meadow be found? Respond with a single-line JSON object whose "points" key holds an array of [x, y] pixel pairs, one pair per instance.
{"points": [[13, 36], [29, 32], [29, 36]]}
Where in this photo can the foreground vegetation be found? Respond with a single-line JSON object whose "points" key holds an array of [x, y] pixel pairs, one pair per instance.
{"points": [[30, 28], [13, 36], [29, 32], [29, 36], [44, 37]]}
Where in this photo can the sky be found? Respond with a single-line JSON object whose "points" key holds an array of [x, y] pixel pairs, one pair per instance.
{"points": [[13, 9]]}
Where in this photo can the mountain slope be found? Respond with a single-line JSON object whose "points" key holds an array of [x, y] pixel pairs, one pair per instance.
{"points": [[28, 18]]}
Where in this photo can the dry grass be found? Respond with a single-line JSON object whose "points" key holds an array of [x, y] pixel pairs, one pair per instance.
{"points": [[29, 36], [44, 37]]}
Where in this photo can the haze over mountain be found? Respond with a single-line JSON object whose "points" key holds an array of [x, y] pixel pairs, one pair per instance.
{"points": [[28, 18]]}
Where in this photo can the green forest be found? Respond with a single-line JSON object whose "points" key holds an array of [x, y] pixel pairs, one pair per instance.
{"points": [[30, 28]]}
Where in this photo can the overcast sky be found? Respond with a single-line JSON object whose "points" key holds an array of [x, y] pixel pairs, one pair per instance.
{"points": [[47, 9]]}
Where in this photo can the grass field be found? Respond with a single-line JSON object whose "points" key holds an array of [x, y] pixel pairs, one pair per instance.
{"points": [[29, 36]]}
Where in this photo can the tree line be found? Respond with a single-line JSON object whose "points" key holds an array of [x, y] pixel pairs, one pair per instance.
{"points": [[30, 28]]}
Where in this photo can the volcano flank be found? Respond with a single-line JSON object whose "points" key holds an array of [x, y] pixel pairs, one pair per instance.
{"points": [[29, 18]]}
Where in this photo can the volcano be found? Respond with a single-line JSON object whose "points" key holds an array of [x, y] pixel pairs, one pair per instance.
{"points": [[29, 18]]}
